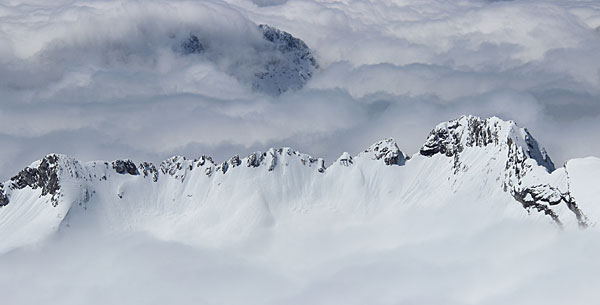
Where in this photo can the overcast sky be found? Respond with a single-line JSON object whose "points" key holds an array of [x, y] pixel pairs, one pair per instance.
{"points": [[100, 79]]}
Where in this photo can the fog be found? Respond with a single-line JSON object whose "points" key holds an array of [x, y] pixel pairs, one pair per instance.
{"points": [[433, 256]]}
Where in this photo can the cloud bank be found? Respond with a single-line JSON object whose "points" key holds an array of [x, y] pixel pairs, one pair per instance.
{"points": [[433, 256], [100, 79]]}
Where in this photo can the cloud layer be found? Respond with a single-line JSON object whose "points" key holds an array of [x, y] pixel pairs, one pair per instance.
{"points": [[432, 256], [100, 79]]}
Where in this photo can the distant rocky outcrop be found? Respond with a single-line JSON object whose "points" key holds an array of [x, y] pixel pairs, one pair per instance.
{"points": [[288, 62], [292, 70], [43, 177], [386, 150], [452, 137], [125, 167], [192, 45], [517, 147]]}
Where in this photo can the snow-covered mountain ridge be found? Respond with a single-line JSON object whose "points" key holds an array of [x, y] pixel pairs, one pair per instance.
{"points": [[470, 160]]}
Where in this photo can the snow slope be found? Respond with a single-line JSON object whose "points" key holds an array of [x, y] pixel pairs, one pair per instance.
{"points": [[489, 165]]}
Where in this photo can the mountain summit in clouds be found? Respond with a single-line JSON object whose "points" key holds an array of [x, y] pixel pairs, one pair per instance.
{"points": [[477, 161], [284, 62]]}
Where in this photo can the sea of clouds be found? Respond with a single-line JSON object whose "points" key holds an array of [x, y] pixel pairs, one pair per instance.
{"points": [[457, 254], [102, 80]]}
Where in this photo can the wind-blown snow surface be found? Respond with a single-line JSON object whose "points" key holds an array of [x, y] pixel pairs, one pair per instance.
{"points": [[453, 224]]}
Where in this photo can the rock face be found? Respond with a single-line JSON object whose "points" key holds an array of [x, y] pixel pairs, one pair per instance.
{"points": [[192, 45], [451, 138], [520, 152], [291, 70], [42, 177], [3, 197], [285, 62], [125, 167], [386, 150], [541, 197]]}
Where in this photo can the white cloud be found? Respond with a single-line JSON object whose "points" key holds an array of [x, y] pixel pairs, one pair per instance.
{"points": [[387, 69], [426, 258]]}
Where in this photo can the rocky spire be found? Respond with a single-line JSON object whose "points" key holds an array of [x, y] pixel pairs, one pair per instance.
{"points": [[386, 150], [452, 137]]}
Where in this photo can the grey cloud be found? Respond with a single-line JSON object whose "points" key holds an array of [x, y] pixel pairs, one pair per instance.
{"points": [[105, 74]]}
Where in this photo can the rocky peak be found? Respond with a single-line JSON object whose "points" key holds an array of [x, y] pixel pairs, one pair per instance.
{"points": [[43, 175], [278, 156], [386, 150], [125, 167], [172, 165], [287, 43], [3, 196], [233, 162], [291, 70], [192, 45], [345, 159], [452, 137], [522, 155], [284, 63]]}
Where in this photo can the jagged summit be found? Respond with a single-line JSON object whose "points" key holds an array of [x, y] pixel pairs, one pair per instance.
{"points": [[452, 137], [386, 150], [283, 61], [469, 160], [295, 67]]}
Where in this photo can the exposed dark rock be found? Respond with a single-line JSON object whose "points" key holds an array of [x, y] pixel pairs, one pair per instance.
{"points": [[200, 161], [273, 160], [532, 204], [192, 45], [388, 151], [321, 168], [346, 159], [285, 62], [572, 204], [44, 176], [451, 138], [542, 197], [291, 70], [223, 167], [125, 167], [148, 169], [582, 220], [3, 196], [287, 43], [446, 140], [235, 161], [172, 165], [254, 159]]}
